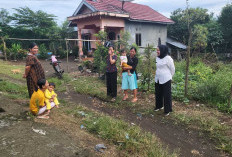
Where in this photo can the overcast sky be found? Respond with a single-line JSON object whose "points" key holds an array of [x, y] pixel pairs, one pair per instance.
{"points": [[64, 8]]}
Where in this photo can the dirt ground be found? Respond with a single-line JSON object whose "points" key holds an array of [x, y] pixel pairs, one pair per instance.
{"points": [[23, 136], [20, 135]]}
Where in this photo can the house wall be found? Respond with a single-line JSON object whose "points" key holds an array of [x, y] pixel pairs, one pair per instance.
{"points": [[150, 33]]}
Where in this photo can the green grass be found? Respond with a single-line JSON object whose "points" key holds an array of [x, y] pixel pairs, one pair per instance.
{"points": [[6, 68], [13, 90], [131, 140], [61, 84], [206, 121], [91, 86]]}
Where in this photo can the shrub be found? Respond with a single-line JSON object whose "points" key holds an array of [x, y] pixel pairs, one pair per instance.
{"points": [[210, 84]]}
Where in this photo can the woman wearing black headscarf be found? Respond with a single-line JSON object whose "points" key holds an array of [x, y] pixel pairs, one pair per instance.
{"points": [[165, 70]]}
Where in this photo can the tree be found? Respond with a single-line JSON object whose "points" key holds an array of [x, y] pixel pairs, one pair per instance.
{"points": [[180, 29], [215, 35], [147, 66], [39, 22], [183, 29], [200, 38], [226, 25], [100, 53], [4, 17]]}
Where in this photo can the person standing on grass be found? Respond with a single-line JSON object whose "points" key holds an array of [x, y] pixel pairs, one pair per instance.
{"points": [[38, 106], [111, 73], [33, 70], [165, 70], [130, 81]]}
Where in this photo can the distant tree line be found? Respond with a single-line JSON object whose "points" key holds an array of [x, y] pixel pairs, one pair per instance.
{"points": [[28, 24], [209, 33]]}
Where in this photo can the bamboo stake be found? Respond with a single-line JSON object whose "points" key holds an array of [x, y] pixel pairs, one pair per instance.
{"points": [[230, 97]]}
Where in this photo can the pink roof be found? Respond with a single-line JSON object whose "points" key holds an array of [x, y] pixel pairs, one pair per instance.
{"points": [[136, 11]]}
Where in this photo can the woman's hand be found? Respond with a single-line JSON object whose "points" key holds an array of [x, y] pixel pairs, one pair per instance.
{"points": [[24, 75]]}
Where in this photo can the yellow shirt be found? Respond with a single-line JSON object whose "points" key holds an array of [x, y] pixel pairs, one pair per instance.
{"points": [[37, 100], [48, 94]]}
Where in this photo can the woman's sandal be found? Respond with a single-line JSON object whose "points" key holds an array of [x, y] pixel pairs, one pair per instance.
{"points": [[134, 100], [125, 98], [43, 117]]}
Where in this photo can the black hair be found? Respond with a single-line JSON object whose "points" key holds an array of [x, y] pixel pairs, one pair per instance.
{"points": [[111, 46], [52, 84], [163, 51], [41, 83], [32, 45], [134, 49], [122, 51]]}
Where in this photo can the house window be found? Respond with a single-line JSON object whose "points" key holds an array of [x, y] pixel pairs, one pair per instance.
{"points": [[138, 39]]}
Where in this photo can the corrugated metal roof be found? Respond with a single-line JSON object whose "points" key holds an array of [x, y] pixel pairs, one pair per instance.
{"points": [[176, 43]]}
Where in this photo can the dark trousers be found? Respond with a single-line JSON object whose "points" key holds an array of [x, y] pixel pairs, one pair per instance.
{"points": [[163, 96], [111, 84]]}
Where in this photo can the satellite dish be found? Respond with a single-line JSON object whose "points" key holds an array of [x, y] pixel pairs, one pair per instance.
{"points": [[123, 2]]}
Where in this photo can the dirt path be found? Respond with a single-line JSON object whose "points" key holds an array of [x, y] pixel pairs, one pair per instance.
{"points": [[176, 137], [23, 136]]}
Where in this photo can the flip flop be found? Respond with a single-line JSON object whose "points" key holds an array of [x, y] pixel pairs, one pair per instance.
{"points": [[43, 117], [124, 99], [134, 100]]}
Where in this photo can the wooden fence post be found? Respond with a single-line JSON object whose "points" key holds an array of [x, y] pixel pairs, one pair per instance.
{"points": [[66, 41], [4, 48]]}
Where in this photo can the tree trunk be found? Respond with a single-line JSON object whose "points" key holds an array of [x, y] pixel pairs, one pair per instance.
{"points": [[230, 97], [187, 63]]}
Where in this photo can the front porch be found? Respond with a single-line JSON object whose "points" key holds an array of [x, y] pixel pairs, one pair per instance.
{"points": [[91, 25]]}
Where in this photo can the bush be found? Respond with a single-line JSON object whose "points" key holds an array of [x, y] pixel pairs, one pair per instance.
{"points": [[210, 84], [43, 52]]}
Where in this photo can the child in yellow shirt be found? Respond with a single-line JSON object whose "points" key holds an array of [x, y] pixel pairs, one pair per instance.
{"points": [[51, 96]]}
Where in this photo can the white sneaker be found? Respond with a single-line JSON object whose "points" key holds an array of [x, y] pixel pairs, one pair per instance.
{"points": [[158, 109]]}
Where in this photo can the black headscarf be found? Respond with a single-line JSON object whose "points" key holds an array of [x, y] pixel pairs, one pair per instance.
{"points": [[163, 51]]}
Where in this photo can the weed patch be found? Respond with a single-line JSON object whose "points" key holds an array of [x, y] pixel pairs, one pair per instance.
{"points": [[206, 122]]}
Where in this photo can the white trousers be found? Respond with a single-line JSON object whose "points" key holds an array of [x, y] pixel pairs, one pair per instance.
{"points": [[43, 109]]}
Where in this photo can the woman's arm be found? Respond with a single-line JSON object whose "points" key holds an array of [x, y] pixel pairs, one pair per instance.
{"points": [[27, 69], [112, 61], [171, 66]]}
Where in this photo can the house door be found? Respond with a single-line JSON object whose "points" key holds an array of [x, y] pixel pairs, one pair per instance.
{"points": [[112, 36], [86, 44]]}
